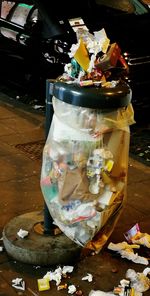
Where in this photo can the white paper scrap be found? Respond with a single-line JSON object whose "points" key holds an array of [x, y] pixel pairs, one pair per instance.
{"points": [[100, 293], [72, 289], [67, 269], [55, 275], [19, 284], [22, 233], [146, 271], [88, 278]]}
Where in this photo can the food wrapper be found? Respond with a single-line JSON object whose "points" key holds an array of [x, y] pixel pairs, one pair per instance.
{"points": [[43, 284], [81, 56], [110, 59], [84, 171], [134, 235]]}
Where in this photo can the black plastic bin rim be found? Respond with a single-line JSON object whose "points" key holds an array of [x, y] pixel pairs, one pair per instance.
{"points": [[93, 97]]}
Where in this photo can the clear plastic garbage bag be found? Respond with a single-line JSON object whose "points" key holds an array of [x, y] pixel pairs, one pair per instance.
{"points": [[84, 170]]}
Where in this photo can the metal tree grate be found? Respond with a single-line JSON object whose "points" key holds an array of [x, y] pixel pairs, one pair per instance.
{"points": [[32, 149]]}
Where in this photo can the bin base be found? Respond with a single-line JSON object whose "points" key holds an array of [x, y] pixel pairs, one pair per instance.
{"points": [[38, 248]]}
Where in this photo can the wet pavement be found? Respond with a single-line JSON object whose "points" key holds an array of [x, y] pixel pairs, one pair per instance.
{"points": [[140, 143], [20, 194]]}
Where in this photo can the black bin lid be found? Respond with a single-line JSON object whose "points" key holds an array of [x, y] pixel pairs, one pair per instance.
{"points": [[93, 97]]}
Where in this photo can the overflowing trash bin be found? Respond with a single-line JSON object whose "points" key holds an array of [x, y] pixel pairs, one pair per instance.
{"points": [[85, 160]]}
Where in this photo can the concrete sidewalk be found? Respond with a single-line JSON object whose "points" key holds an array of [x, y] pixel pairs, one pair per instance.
{"points": [[20, 193]]}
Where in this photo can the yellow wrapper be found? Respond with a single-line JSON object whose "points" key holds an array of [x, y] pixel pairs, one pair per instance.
{"points": [[109, 165], [105, 45], [106, 179], [81, 56], [43, 284], [132, 293]]}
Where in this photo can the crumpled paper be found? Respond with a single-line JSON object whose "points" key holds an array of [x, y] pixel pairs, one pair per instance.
{"points": [[57, 274], [88, 278], [22, 233], [91, 57], [134, 284], [126, 251], [101, 293], [71, 289], [19, 284], [139, 281]]}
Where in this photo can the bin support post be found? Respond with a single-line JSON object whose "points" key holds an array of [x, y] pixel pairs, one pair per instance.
{"points": [[48, 221]]}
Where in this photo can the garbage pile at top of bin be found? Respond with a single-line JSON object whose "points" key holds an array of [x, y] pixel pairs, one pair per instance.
{"points": [[85, 157], [95, 61]]}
